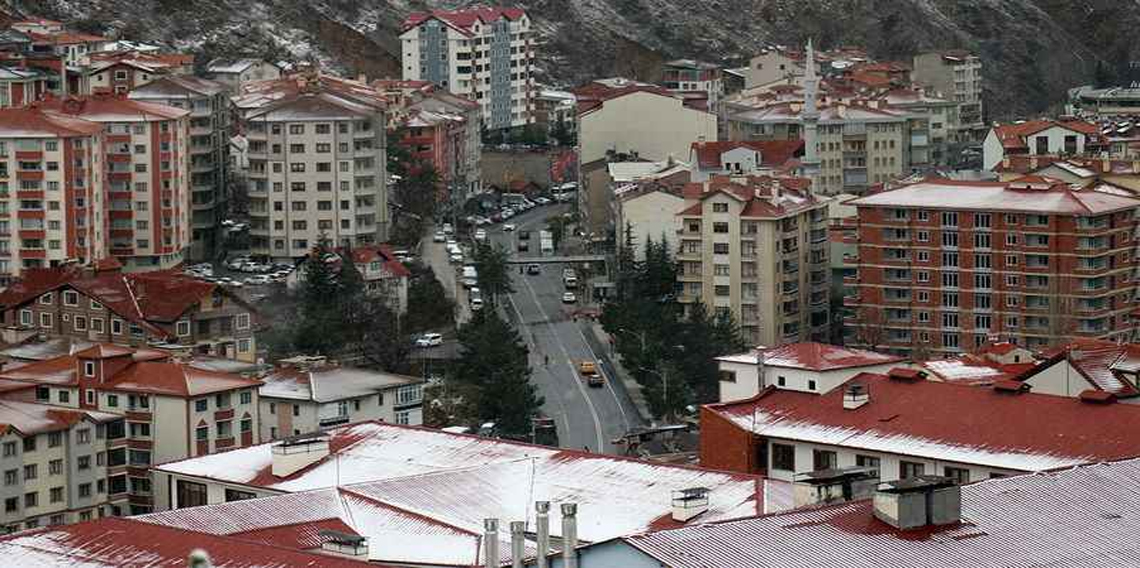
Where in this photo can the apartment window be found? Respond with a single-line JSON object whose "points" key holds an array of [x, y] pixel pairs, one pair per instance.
{"points": [[9, 449], [222, 400], [868, 461], [202, 433], [720, 227], [55, 439], [55, 467], [201, 405], [31, 499], [11, 477], [720, 208], [960, 475], [949, 219], [83, 436], [783, 457], [30, 441], [190, 494], [84, 462], [64, 397], [225, 429], [140, 430], [297, 167], [11, 505], [30, 472], [55, 495], [824, 459], [908, 469], [950, 239]]}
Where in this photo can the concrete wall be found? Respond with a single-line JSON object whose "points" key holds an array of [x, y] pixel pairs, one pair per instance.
{"points": [[651, 216], [655, 126], [888, 463]]}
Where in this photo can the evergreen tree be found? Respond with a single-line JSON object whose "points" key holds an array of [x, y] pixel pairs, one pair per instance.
{"points": [[493, 358], [494, 276]]}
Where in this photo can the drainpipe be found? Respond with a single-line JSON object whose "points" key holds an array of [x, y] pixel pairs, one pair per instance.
{"points": [[542, 527], [569, 535], [518, 550], [490, 543]]}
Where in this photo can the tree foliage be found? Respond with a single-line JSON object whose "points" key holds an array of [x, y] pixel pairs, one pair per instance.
{"points": [[428, 305], [669, 352], [493, 359], [494, 276]]}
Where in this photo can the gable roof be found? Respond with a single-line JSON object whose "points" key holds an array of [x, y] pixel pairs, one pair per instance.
{"points": [[1057, 198], [1102, 363], [1078, 517], [1016, 135], [30, 418], [112, 108], [928, 419], [113, 542], [812, 356], [463, 20], [35, 123], [329, 383], [773, 153]]}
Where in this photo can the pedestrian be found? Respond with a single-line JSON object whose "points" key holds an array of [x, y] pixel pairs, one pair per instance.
{"points": [[546, 360]]}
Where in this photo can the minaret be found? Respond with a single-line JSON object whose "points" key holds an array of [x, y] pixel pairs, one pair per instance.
{"points": [[810, 117]]}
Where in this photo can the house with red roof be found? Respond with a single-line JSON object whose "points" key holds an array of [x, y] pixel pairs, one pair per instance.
{"points": [[385, 277], [121, 71], [131, 309], [741, 157], [905, 426], [805, 367], [173, 410], [1045, 137]]}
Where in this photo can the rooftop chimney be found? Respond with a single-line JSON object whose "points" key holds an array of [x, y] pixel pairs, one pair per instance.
{"points": [[570, 535], [518, 544], [855, 396], [345, 544], [926, 500], [490, 543], [294, 454], [542, 528], [834, 485], [688, 503], [199, 559]]}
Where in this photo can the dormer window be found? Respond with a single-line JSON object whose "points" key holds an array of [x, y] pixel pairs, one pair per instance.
{"points": [[46, 298], [89, 368]]}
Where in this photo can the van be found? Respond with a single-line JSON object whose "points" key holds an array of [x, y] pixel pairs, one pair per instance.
{"points": [[571, 282], [469, 272]]}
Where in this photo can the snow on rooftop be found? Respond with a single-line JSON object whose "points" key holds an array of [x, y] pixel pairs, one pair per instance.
{"points": [[957, 369]]}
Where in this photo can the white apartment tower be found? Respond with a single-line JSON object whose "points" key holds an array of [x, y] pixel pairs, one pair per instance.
{"points": [[484, 54]]}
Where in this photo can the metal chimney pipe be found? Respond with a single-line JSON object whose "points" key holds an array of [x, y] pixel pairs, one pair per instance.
{"points": [[490, 543], [542, 527], [518, 550], [569, 535]]}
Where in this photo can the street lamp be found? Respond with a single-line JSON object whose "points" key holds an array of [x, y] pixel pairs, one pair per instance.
{"points": [[638, 334]]}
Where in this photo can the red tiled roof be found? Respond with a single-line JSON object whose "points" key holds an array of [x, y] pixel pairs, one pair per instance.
{"points": [[1103, 364], [948, 422], [115, 542], [33, 121], [823, 357], [301, 536], [772, 152], [1016, 135], [112, 108], [463, 20], [758, 192]]}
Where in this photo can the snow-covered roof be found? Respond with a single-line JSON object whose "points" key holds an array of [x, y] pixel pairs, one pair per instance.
{"points": [[329, 383], [622, 172], [812, 356], [1078, 517], [231, 66], [33, 418], [1031, 195], [425, 493], [946, 422]]}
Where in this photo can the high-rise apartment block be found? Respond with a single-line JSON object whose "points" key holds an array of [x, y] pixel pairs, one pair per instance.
{"points": [[757, 247], [147, 181], [51, 191], [210, 131], [317, 163], [946, 266], [484, 54], [957, 74]]}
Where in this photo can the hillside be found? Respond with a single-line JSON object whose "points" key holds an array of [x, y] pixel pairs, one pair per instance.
{"points": [[1033, 49]]}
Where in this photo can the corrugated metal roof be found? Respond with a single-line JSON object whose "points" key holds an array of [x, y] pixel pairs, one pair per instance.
{"points": [[1084, 516]]}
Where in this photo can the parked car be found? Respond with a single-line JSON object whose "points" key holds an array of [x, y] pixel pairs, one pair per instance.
{"points": [[524, 246], [542, 200], [259, 280], [476, 304], [508, 227], [533, 269], [524, 235], [429, 340], [448, 229], [480, 235], [439, 237], [457, 258], [569, 298]]}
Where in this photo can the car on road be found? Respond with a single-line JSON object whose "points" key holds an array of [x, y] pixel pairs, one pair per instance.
{"points": [[524, 235], [476, 304], [457, 257], [429, 340], [439, 237], [448, 229], [259, 280], [524, 246], [533, 269], [542, 200], [470, 282], [480, 235], [589, 371], [507, 213], [569, 298], [508, 227]]}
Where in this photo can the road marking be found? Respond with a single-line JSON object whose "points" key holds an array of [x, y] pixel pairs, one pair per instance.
{"points": [[534, 348], [609, 385], [577, 380]]}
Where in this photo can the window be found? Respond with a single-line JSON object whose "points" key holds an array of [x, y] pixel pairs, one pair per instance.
{"points": [[222, 400], [202, 433], [55, 495], [83, 436], [246, 397], [183, 329], [55, 467], [867, 461], [190, 494], [720, 227], [824, 459], [201, 405], [140, 430], [89, 368], [235, 495], [720, 208], [960, 475], [11, 477], [811, 384], [29, 444], [296, 410], [720, 248], [908, 469], [225, 429], [9, 449], [70, 298], [31, 499], [783, 457], [55, 439], [84, 462]]}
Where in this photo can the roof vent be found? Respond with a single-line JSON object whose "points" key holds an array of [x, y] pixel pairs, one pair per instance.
{"points": [[1011, 386], [925, 500], [298, 452], [855, 396], [343, 543], [1093, 396], [905, 374], [834, 485], [688, 503]]}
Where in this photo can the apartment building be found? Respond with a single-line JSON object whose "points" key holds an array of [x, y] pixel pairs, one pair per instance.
{"points": [[956, 74], [137, 309], [120, 72], [54, 463], [302, 395], [688, 75], [945, 266], [484, 54], [21, 85], [147, 174], [51, 191], [757, 247], [172, 410], [211, 127], [317, 163], [236, 73]]}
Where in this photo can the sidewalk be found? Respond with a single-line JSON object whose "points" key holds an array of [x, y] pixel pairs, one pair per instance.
{"points": [[631, 386]]}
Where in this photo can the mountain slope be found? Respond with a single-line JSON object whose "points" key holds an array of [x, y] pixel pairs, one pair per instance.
{"points": [[1033, 49]]}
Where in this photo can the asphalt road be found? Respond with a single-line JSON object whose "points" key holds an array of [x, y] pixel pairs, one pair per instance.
{"points": [[586, 417]]}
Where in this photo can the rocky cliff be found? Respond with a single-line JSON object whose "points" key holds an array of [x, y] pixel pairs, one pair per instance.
{"points": [[1033, 49]]}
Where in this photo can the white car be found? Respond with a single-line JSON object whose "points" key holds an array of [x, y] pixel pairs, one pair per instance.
{"points": [[439, 237], [509, 227], [476, 304], [457, 258], [429, 340], [542, 201], [480, 235], [259, 280], [448, 229], [569, 298]]}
